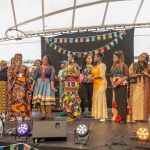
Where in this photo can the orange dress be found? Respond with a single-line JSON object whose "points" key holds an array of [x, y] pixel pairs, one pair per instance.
{"points": [[99, 104]]}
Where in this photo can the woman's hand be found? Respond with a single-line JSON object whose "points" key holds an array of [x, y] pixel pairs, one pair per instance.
{"points": [[90, 78], [54, 89], [32, 87]]}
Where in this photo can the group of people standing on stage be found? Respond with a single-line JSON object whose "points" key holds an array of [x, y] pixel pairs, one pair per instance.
{"points": [[21, 88]]}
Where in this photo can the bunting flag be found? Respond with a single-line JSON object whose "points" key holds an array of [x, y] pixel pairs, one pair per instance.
{"points": [[92, 38], [112, 44], [21, 146]]}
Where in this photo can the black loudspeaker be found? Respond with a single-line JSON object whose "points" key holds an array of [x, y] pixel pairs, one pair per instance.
{"points": [[49, 129]]}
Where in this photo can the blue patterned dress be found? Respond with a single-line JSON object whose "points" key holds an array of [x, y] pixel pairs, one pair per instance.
{"points": [[43, 93]]}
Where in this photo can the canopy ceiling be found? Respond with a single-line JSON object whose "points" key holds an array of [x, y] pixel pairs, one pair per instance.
{"points": [[34, 16]]}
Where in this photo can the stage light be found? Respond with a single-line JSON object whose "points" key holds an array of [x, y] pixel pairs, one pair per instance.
{"points": [[23, 129], [81, 135], [142, 134], [1, 127], [82, 130]]}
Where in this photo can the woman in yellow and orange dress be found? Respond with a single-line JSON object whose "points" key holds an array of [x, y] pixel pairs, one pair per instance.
{"points": [[99, 104]]}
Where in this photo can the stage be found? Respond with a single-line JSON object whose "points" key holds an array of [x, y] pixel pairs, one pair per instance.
{"points": [[103, 136]]}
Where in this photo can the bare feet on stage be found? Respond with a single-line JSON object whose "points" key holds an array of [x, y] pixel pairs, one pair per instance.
{"points": [[102, 120]]}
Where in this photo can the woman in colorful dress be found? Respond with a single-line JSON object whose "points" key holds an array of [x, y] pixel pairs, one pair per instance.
{"points": [[87, 85], [118, 77], [3, 88], [44, 90], [99, 103], [10, 71], [140, 88], [19, 104], [31, 77], [70, 98]]}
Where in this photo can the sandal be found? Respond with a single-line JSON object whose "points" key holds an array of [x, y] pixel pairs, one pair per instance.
{"points": [[42, 118], [12, 119], [27, 118], [69, 119]]}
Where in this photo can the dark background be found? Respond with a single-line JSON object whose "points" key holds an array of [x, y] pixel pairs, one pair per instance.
{"points": [[126, 45]]}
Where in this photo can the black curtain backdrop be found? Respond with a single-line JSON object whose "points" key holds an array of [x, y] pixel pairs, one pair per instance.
{"points": [[126, 45]]}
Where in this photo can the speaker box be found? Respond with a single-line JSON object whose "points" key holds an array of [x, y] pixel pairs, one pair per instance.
{"points": [[49, 129]]}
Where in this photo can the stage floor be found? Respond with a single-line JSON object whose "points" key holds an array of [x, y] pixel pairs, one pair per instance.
{"points": [[103, 135]]}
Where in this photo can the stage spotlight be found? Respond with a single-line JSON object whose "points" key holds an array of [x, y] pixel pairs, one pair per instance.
{"points": [[142, 134], [23, 129], [1, 127], [81, 134]]}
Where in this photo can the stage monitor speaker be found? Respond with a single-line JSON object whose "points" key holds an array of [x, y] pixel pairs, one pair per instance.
{"points": [[49, 129]]}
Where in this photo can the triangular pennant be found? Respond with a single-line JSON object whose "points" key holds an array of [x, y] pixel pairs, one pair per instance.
{"points": [[108, 47], [71, 40], [112, 44], [59, 49], [104, 36], [51, 44], [93, 38], [115, 34], [96, 51], [124, 32], [55, 40], [76, 40], [51, 39], [60, 40], [120, 37], [102, 50], [98, 37], [109, 35], [81, 39], [46, 41], [116, 41], [55, 47], [64, 51], [74, 53], [87, 39], [65, 40]]}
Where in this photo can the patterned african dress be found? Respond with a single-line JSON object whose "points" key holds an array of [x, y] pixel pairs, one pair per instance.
{"points": [[140, 95], [11, 80], [20, 106], [120, 105], [99, 103], [70, 98], [3, 91], [43, 94]]}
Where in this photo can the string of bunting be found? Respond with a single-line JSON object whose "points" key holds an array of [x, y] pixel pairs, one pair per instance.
{"points": [[79, 53], [18, 146], [92, 38]]}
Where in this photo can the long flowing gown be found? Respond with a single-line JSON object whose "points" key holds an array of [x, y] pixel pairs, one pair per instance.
{"points": [[140, 96], [99, 103], [70, 98], [18, 102]]}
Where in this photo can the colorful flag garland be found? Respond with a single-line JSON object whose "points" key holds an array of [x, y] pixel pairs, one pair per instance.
{"points": [[21, 146], [92, 38], [52, 44]]}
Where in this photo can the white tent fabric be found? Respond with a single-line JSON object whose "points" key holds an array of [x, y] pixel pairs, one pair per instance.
{"points": [[43, 15], [32, 16]]}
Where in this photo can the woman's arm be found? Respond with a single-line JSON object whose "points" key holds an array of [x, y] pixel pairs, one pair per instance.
{"points": [[102, 72]]}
